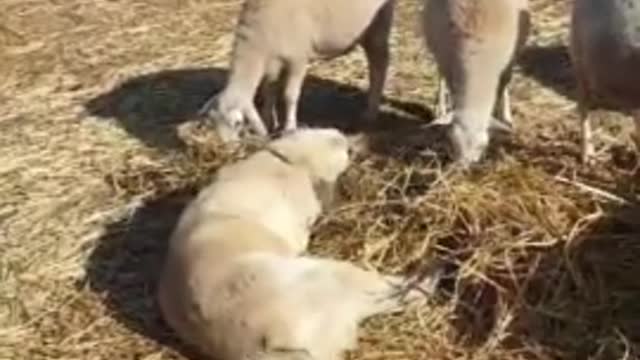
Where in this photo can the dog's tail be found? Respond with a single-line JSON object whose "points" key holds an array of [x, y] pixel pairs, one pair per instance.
{"points": [[395, 293], [363, 293], [402, 291]]}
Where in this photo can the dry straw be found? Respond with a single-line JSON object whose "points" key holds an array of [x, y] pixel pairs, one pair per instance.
{"points": [[543, 253]]}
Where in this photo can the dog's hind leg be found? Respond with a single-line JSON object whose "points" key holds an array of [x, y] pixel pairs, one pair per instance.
{"points": [[372, 293], [324, 301], [338, 295]]}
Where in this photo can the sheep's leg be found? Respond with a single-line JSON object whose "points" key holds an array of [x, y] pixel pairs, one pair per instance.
{"points": [[503, 95], [444, 116], [248, 70], [255, 121], [504, 105], [377, 76], [636, 119], [507, 112], [268, 93], [587, 151], [375, 43], [296, 71], [502, 119], [442, 105]]}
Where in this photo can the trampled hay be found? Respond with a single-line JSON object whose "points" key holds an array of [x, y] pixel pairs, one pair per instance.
{"points": [[99, 156]]}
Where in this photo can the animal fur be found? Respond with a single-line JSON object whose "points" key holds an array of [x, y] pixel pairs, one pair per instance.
{"points": [[274, 42], [474, 43], [235, 283], [605, 51]]}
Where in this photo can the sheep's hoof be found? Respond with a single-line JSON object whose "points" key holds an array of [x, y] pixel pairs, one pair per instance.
{"points": [[445, 119], [587, 156], [466, 164], [588, 160], [289, 129]]}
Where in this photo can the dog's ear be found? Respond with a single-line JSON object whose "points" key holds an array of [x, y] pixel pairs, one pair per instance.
{"points": [[325, 192], [358, 144]]}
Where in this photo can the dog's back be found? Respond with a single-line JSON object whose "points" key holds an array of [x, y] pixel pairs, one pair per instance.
{"points": [[213, 276], [235, 290], [265, 190], [251, 298]]}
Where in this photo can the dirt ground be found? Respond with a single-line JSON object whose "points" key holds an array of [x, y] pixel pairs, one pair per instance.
{"points": [[98, 154]]}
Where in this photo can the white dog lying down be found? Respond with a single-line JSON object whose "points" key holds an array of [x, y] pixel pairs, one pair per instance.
{"points": [[234, 284]]}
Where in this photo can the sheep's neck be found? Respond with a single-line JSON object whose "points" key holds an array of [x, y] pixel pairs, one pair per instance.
{"points": [[476, 99]]}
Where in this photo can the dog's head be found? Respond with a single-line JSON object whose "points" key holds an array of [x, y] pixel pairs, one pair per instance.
{"points": [[322, 152]]}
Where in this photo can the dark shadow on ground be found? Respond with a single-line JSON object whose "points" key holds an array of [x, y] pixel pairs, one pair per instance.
{"points": [[423, 144], [151, 106], [551, 66], [126, 262]]}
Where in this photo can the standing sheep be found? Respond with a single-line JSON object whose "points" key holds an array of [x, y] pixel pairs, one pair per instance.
{"points": [[605, 51], [474, 43], [276, 39]]}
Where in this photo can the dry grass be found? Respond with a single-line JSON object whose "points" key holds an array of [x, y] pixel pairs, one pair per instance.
{"points": [[95, 167]]}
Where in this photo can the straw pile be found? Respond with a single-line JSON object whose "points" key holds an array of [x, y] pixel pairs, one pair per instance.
{"points": [[96, 165]]}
